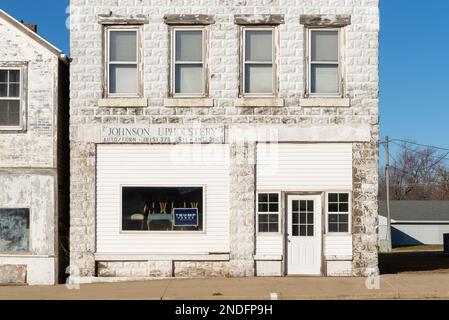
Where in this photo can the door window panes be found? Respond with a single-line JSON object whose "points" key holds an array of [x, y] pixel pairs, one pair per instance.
{"points": [[303, 224]]}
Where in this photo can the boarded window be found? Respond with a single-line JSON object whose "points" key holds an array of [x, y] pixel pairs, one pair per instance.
{"points": [[14, 230]]}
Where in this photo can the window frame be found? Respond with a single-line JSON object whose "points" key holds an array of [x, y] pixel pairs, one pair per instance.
{"points": [[278, 213], [350, 204], [22, 68], [274, 62], [30, 242], [174, 63], [108, 63], [204, 213], [309, 63]]}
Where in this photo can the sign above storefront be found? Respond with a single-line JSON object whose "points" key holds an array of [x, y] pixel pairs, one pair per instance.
{"points": [[163, 134], [185, 217]]}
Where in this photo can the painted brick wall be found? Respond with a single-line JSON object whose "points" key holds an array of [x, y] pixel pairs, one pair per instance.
{"points": [[35, 147]]}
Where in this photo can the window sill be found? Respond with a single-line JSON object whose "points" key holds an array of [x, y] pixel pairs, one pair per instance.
{"points": [[325, 102], [160, 257], [24, 255], [123, 102], [12, 130], [266, 257], [189, 103], [269, 234], [338, 258], [259, 102]]}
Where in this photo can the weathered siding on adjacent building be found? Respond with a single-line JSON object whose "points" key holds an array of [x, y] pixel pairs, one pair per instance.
{"points": [[353, 121], [36, 147], [28, 157]]}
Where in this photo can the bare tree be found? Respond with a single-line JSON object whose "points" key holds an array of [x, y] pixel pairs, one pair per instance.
{"points": [[442, 192], [417, 173]]}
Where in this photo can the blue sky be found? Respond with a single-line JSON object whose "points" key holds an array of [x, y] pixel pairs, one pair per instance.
{"points": [[414, 62]]}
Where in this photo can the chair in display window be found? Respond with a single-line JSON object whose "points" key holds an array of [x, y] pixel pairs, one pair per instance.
{"points": [[138, 217]]}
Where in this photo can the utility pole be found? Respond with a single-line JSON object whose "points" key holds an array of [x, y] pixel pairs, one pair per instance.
{"points": [[387, 180]]}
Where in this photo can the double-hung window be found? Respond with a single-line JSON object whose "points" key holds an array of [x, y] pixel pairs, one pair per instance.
{"points": [[324, 70], [338, 212], [188, 62], [123, 62], [258, 57], [10, 98], [268, 206]]}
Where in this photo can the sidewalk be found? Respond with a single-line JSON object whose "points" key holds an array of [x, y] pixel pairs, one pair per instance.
{"points": [[404, 286]]}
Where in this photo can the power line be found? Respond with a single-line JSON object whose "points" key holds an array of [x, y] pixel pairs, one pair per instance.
{"points": [[417, 144], [417, 151]]}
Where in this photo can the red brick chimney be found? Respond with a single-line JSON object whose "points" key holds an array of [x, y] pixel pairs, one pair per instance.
{"points": [[32, 27]]}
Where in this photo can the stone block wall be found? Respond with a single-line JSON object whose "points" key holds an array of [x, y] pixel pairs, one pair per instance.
{"points": [[361, 51]]}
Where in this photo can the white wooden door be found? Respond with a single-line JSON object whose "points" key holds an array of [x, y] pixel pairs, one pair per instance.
{"points": [[304, 235]]}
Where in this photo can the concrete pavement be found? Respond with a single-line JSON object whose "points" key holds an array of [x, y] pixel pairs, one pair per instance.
{"points": [[402, 286]]}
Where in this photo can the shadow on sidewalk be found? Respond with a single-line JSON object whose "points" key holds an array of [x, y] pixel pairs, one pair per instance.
{"points": [[407, 262]]}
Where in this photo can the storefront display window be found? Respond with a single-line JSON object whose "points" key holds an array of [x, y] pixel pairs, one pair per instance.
{"points": [[162, 209]]}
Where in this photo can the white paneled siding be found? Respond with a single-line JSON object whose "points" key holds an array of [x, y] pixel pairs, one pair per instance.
{"points": [[304, 167], [338, 245], [269, 245], [314, 167], [163, 165]]}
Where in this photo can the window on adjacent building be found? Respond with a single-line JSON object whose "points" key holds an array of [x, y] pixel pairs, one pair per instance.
{"points": [[123, 62], [10, 97], [324, 62], [338, 212], [162, 209], [14, 230], [258, 61], [188, 62], [268, 206]]}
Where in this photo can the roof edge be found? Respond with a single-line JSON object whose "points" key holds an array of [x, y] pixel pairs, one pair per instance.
{"points": [[36, 37]]}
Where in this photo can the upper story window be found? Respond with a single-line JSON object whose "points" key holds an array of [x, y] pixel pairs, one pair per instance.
{"points": [[11, 98], [324, 62], [258, 57], [123, 76], [188, 62]]}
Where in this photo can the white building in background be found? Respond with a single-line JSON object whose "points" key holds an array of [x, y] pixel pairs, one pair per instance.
{"points": [[224, 139], [33, 156], [415, 222]]}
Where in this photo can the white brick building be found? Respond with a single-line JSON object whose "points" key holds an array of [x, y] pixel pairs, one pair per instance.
{"points": [[33, 162], [224, 138]]}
